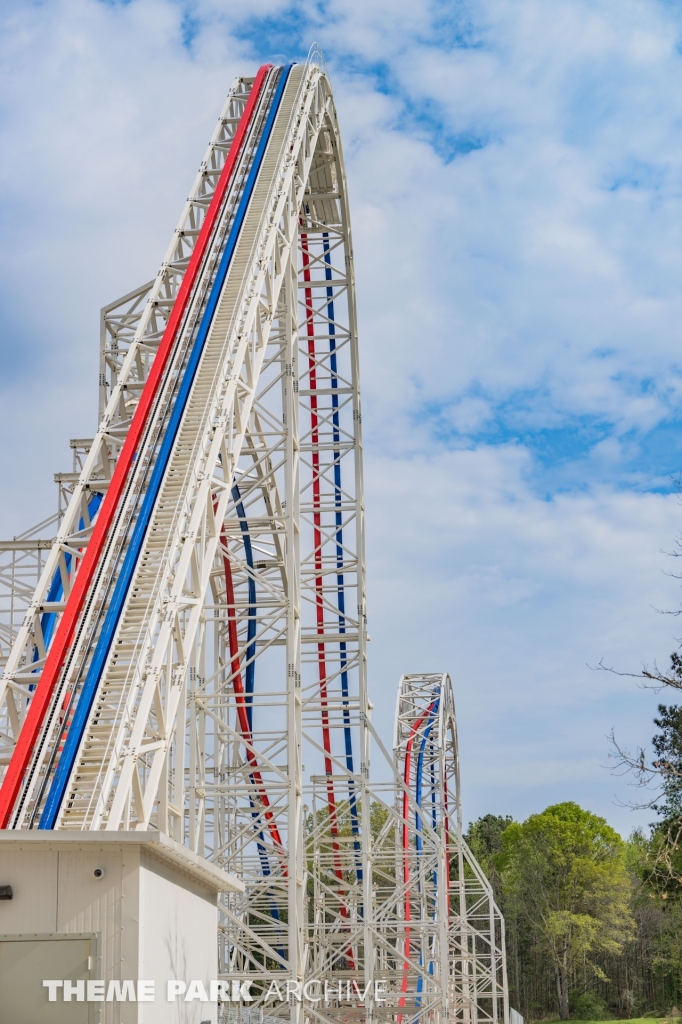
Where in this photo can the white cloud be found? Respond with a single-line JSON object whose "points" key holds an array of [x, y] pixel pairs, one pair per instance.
{"points": [[105, 118], [538, 274], [517, 597], [518, 255]]}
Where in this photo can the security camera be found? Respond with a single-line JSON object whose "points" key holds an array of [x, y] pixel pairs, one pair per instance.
{"points": [[99, 872]]}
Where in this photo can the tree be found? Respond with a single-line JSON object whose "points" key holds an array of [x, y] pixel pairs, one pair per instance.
{"points": [[664, 773], [484, 836], [566, 873], [668, 747], [484, 839]]}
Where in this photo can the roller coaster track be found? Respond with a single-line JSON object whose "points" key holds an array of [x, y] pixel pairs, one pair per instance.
{"points": [[450, 931], [193, 655]]}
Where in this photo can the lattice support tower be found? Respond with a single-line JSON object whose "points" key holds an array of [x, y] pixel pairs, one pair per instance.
{"points": [[189, 652]]}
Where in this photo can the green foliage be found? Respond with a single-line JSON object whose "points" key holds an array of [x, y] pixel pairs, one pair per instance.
{"points": [[593, 924], [378, 818], [590, 1006], [565, 874], [668, 747], [484, 836], [639, 975]]}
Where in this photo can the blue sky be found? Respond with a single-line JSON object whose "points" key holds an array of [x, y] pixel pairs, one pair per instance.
{"points": [[515, 171]]}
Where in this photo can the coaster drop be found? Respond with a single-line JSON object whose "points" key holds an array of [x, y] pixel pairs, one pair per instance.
{"points": [[188, 655]]}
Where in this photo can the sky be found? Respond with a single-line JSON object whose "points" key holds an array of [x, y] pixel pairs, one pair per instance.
{"points": [[515, 177]]}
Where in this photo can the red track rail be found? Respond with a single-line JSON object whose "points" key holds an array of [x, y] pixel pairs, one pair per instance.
{"points": [[319, 593], [407, 778], [64, 634], [242, 713]]}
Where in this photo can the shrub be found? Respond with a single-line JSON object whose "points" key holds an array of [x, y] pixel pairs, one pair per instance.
{"points": [[589, 1006]]}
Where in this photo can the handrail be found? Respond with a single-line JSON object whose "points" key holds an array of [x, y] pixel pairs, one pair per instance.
{"points": [[67, 626], [316, 56], [67, 759]]}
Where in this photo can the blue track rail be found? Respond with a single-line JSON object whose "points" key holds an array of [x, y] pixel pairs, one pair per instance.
{"points": [[250, 683], [418, 789], [338, 537], [56, 592], [250, 669], [75, 734]]}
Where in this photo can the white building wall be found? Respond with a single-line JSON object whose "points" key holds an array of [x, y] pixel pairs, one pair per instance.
{"points": [[55, 892], [106, 906], [153, 913], [178, 929], [33, 876]]}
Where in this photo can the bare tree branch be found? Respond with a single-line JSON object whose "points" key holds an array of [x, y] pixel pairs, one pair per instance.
{"points": [[654, 675]]}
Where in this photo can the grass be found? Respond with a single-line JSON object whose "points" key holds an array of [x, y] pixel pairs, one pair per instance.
{"points": [[632, 1020]]}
